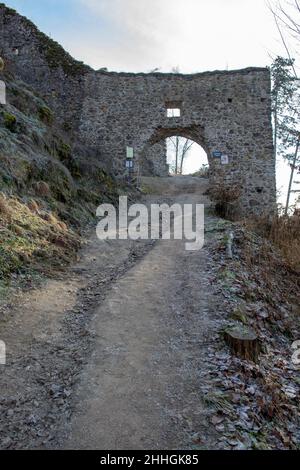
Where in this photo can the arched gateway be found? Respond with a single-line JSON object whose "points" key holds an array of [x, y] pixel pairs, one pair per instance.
{"points": [[227, 113], [152, 159]]}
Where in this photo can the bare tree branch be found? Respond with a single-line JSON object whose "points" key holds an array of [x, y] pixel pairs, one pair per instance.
{"points": [[276, 19]]}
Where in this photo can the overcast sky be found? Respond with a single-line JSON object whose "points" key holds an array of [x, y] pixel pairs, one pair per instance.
{"points": [[141, 35]]}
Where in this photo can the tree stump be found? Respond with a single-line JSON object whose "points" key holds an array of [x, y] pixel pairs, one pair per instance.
{"points": [[243, 342]]}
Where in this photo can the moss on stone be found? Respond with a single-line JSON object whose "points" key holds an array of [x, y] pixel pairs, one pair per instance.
{"points": [[10, 121]]}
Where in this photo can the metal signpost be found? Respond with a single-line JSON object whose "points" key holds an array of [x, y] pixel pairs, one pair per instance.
{"points": [[224, 159], [129, 162]]}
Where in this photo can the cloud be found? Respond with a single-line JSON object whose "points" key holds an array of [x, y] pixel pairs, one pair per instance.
{"points": [[195, 35], [138, 31]]}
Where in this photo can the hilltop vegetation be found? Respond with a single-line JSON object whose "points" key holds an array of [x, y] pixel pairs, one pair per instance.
{"points": [[48, 188]]}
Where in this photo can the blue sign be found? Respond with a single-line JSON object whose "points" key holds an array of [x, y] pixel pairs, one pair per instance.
{"points": [[217, 153]]}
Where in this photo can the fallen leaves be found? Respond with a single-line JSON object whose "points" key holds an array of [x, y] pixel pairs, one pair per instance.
{"points": [[255, 406]]}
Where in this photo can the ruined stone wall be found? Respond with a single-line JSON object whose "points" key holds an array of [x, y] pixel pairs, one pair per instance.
{"points": [[154, 161], [225, 111], [44, 65]]}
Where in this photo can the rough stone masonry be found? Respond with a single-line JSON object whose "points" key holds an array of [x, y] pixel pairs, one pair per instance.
{"points": [[227, 112]]}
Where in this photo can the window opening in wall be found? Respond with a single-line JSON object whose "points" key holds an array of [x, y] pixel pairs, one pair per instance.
{"points": [[173, 108], [173, 112]]}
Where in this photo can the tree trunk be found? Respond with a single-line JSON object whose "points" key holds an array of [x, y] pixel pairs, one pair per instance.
{"points": [[176, 150], [275, 128], [243, 342], [292, 177]]}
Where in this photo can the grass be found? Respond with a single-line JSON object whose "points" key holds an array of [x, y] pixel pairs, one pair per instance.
{"points": [[203, 172], [284, 233], [50, 192], [45, 114], [219, 401], [32, 238], [4, 290], [4, 207]]}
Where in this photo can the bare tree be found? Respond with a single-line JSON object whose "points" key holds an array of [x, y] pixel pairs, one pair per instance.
{"points": [[287, 126], [180, 147], [287, 15], [293, 167], [282, 23]]}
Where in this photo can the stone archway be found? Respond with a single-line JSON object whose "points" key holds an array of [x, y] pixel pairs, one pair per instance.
{"points": [[152, 159]]}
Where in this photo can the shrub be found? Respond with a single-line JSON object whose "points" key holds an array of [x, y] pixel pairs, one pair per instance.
{"points": [[203, 172], [63, 151], [45, 114], [226, 200], [10, 121], [41, 188], [52, 179]]}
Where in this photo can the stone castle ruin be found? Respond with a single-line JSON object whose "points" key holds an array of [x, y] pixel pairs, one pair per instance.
{"points": [[228, 113]]}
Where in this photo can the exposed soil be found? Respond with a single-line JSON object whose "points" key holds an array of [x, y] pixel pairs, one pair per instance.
{"points": [[139, 389]]}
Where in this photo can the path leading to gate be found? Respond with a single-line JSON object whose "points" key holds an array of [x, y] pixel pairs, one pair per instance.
{"points": [[140, 387]]}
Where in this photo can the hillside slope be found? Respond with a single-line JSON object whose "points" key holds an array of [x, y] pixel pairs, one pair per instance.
{"points": [[49, 185]]}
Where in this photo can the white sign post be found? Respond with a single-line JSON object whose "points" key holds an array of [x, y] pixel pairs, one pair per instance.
{"points": [[2, 353], [129, 162], [224, 159], [129, 153], [2, 92]]}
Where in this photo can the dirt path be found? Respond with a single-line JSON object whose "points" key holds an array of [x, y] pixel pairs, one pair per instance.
{"points": [[139, 389], [110, 356]]}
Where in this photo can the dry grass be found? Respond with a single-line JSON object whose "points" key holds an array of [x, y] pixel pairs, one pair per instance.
{"points": [[226, 201], [41, 188], [28, 237], [284, 233], [49, 217], [33, 205], [62, 226], [5, 211]]}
